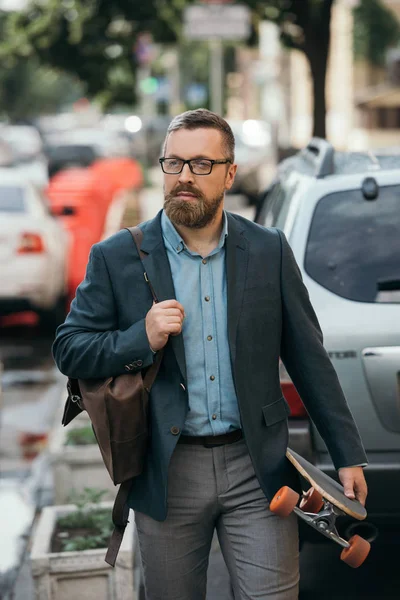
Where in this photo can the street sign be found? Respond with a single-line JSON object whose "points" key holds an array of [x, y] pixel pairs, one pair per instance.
{"points": [[217, 21]]}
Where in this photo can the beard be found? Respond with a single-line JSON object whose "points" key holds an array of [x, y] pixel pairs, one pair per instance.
{"points": [[195, 213]]}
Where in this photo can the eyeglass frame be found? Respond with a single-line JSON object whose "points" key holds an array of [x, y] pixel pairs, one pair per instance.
{"points": [[213, 162]]}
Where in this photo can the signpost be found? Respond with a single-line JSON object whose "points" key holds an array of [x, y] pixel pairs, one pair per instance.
{"points": [[215, 23]]}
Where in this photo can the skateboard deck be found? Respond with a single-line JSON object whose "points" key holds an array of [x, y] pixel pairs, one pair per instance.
{"points": [[329, 489], [320, 506]]}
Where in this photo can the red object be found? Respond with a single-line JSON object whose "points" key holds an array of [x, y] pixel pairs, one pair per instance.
{"points": [[32, 444], [121, 173], [291, 394], [30, 243], [80, 199], [28, 318]]}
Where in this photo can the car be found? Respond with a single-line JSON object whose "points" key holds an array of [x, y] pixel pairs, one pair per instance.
{"points": [[253, 151], [340, 212], [33, 253], [27, 149]]}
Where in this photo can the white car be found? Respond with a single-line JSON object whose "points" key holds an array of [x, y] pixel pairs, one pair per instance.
{"points": [[33, 252]]}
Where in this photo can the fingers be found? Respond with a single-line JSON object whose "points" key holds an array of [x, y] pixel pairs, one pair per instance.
{"points": [[354, 484], [361, 492], [164, 319], [170, 304]]}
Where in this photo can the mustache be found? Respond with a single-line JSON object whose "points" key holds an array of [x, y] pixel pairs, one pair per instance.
{"points": [[186, 188]]}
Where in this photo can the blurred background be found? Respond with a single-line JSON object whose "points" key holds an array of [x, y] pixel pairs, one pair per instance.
{"points": [[87, 90]]}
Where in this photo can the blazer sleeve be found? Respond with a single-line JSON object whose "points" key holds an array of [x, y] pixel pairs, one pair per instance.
{"points": [[89, 345], [310, 367]]}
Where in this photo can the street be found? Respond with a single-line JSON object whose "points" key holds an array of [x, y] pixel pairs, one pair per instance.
{"points": [[33, 393]]}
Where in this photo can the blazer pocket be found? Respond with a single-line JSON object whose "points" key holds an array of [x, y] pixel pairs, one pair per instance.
{"points": [[275, 412]]}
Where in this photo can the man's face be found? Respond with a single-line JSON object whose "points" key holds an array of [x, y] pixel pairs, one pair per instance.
{"points": [[194, 200]]}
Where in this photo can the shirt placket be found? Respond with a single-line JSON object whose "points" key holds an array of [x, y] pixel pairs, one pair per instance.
{"points": [[212, 372]]}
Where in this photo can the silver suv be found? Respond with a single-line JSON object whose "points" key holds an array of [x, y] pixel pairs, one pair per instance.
{"points": [[341, 214]]}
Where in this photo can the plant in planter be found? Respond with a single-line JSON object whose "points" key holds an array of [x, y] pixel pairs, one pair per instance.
{"points": [[68, 551], [86, 528], [80, 436], [77, 463]]}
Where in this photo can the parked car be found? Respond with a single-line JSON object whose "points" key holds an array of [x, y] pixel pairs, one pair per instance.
{"points": [[27, 149], [252, 151], [33, 253], [341, 214]]}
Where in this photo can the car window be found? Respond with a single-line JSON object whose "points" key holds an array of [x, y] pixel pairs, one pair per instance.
{"points": [[353, 247], [12, 199]]}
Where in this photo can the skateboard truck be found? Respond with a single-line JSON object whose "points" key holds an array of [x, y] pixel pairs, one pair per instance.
{"points": [[320, 514]]}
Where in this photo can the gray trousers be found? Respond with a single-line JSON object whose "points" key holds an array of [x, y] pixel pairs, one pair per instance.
{"points": [[216, 488]]}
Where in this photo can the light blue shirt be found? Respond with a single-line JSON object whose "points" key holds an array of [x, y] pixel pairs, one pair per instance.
{"points": [[200, 286]]}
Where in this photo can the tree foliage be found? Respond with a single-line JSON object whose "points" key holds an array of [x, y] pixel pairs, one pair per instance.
{"points": [[91, 39], [376, 29]]}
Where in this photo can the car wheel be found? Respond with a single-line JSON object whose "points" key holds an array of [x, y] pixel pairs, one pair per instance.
{"points": [[50, 319]]}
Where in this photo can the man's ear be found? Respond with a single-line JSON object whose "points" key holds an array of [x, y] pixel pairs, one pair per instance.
{"points": [[230, 178]]}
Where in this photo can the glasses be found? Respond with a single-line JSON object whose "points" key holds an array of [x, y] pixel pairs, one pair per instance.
{"points": [[198, 166]]}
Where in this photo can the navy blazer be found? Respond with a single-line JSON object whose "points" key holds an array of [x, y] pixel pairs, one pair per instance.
{"points": [[269, 316]]}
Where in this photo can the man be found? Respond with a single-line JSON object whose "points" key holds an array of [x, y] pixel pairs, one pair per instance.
{"points": [[231, 302]]}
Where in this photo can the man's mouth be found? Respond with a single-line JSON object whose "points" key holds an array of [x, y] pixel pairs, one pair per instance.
{"points": [[185, 195]]}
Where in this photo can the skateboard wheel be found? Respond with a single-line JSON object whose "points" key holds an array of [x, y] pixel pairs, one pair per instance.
{"points": [[312, 501], [357, 552], [284, 501]]}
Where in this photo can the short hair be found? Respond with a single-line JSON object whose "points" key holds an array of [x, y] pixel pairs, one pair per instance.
{"points": [[201, 118]]}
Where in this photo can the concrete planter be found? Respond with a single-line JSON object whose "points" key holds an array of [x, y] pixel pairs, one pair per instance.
{"points": [[80, 575], [77, 467]]}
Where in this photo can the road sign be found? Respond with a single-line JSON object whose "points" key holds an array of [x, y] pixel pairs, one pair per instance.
{"points": [[217, 21]]}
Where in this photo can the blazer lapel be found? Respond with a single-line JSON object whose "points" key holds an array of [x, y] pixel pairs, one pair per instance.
{"points": [[236, 269], [159, 274]]}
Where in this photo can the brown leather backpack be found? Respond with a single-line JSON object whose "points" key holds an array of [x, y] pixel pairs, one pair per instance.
{"points": [[118, 410]]}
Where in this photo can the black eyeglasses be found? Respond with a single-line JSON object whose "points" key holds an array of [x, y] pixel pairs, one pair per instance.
{"points": [[198, 166]]}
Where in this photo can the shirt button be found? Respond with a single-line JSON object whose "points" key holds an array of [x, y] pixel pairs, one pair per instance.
{"points": [[214, 417], [207, 298], [212, 377], [209, 337], [204, 261], [174, 430]]}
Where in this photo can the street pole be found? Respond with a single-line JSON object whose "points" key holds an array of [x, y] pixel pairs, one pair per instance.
{"points": [[216, 75]]}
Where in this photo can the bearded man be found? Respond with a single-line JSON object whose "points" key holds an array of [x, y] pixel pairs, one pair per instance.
{"points": [[231, 302]]}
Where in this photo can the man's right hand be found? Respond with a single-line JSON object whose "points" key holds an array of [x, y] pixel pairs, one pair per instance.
{"points": [[162, 320]]}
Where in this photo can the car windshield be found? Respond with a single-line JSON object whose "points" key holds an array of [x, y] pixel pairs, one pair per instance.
{"points": [[12, 199], [353, 247]]}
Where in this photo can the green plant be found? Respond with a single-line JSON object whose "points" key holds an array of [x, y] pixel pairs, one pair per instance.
{"points": [[80, 436], [88, 527]]}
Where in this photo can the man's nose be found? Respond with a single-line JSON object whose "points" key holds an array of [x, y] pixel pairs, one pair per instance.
{"points": [[186, 174]]}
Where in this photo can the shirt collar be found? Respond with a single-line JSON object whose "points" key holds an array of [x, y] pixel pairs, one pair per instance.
{"points": [[176, 241]]}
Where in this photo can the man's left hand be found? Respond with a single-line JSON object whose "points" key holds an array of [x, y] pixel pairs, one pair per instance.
{"points": [[353, 481]]}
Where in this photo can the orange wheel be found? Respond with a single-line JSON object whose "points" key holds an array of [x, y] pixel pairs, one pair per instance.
{"points": [[284, 501], [312, 501], [357, 552]]}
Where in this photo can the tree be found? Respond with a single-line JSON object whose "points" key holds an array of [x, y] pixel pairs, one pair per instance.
{"points": [[304, 26], [93, 40], [376, 29]]}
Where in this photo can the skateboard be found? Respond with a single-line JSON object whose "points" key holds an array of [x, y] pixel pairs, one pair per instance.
{"points": [[320, 506]]}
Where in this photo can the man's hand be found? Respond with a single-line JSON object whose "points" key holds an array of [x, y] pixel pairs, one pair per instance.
{"points": [[353, 481], [162, 320]]}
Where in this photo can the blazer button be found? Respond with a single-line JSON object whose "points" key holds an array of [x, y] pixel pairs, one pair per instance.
{"points": [[139, 363], [175, 430]]}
